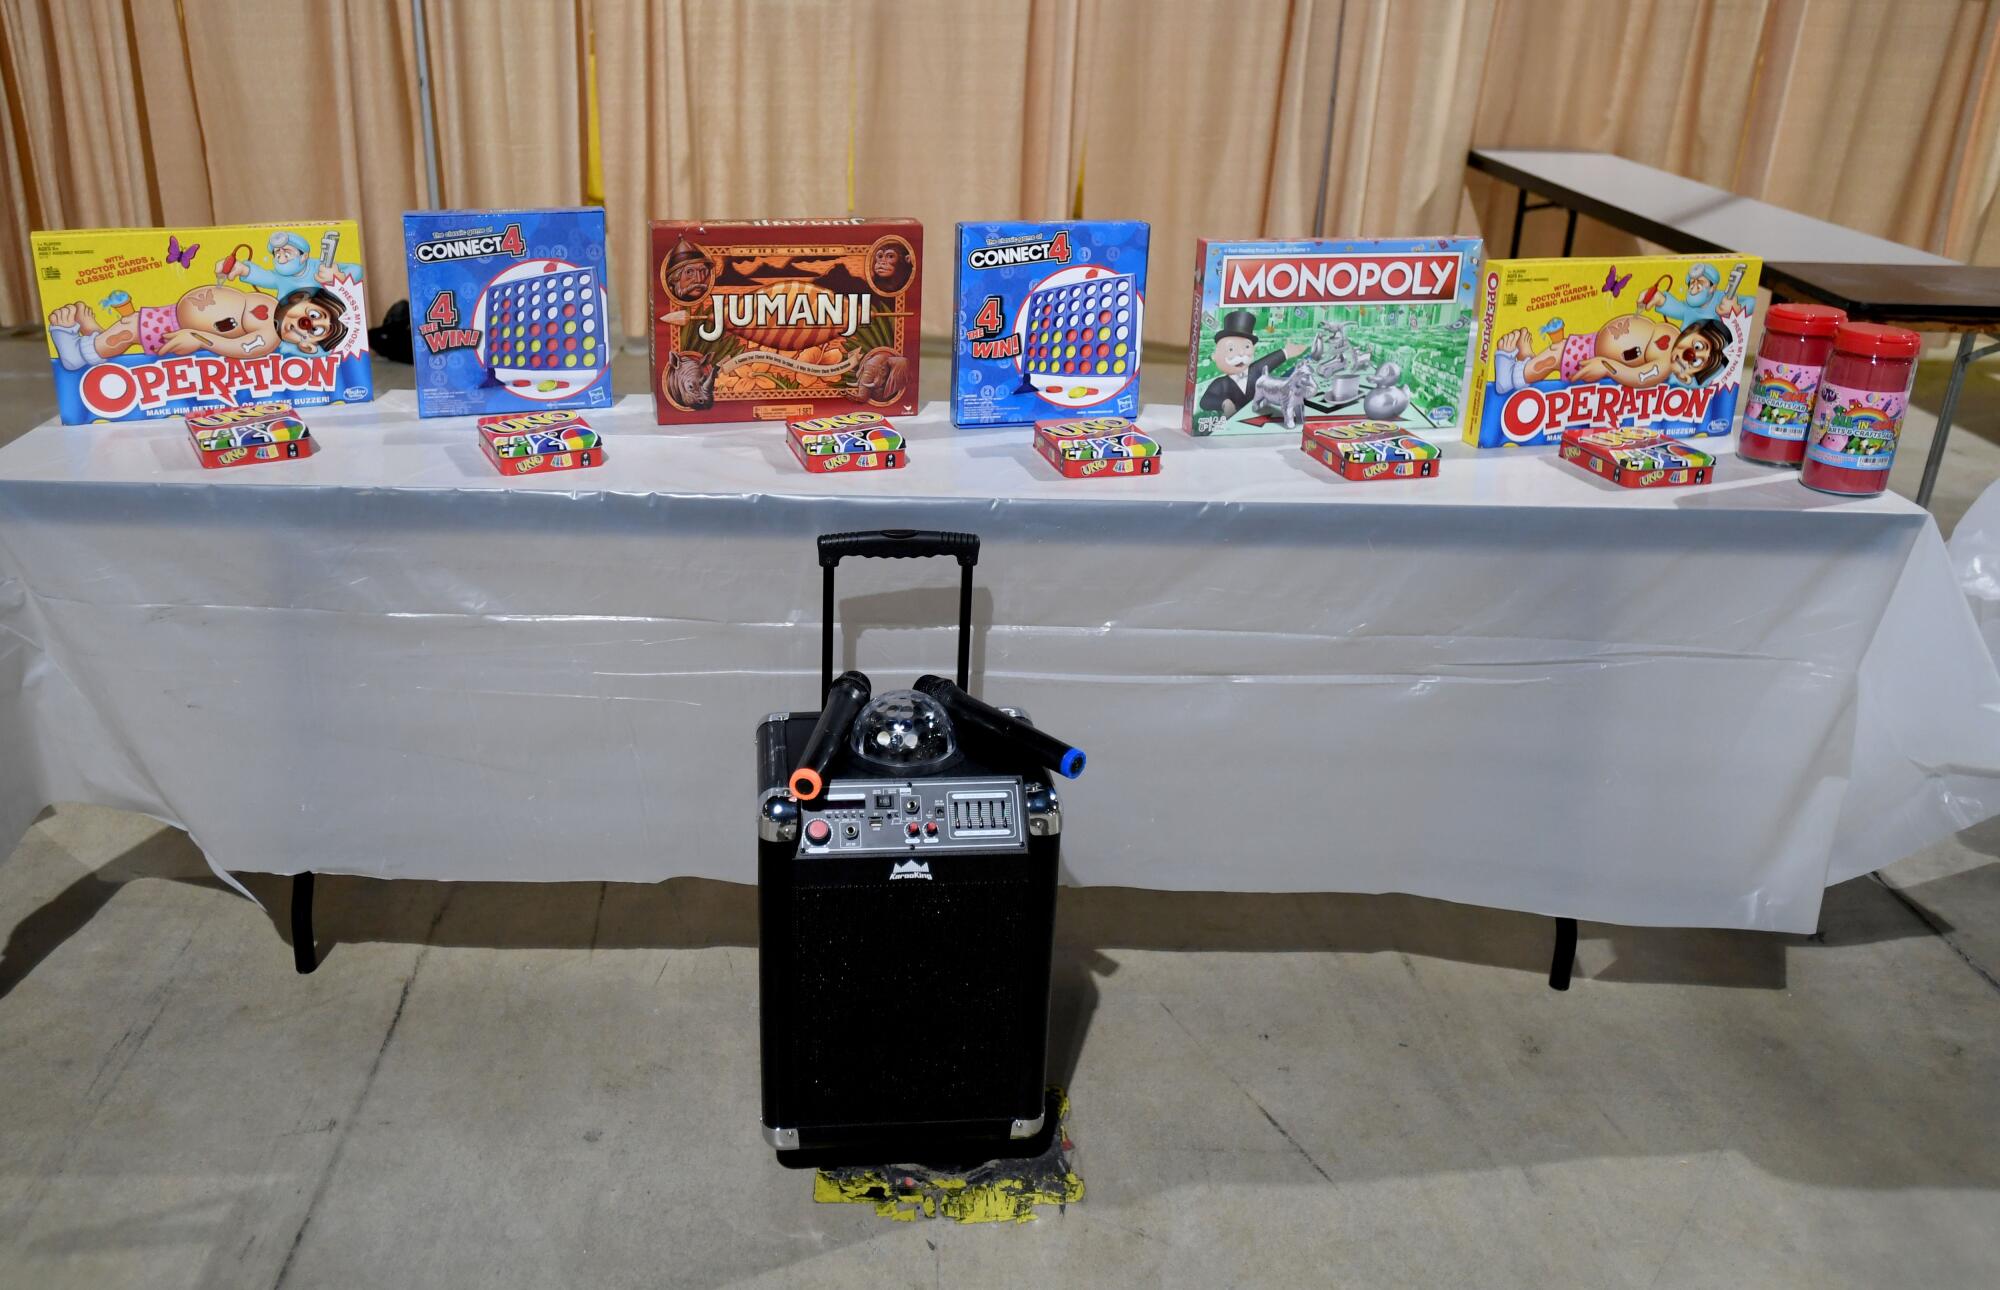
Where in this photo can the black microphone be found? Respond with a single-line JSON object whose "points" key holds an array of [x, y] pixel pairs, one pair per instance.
{"points": [[844, 700], [985, 723]]}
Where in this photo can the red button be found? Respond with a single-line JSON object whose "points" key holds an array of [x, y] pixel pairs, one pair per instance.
{"points": [[817, 832], [930, 827], [911, 828]]}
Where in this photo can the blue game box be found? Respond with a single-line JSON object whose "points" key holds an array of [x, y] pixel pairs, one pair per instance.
{"points": [[508, 310], [1047, 320]]}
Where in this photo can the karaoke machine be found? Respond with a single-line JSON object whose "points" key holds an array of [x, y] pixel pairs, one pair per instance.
{"points": [[906, 891]]}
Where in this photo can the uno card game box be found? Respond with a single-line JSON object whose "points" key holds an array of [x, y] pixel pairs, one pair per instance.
{"points": [[534, 442], [1285, 332], [509, 310], [1097, 448], [1371, 450], [1046, 320], [1633, 457], [1646, 342], [249, 435], [847, 441], [781, 320], [147, 323]]}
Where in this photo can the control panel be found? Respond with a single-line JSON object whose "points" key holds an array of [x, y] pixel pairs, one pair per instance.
{"points": [[896, 817]]}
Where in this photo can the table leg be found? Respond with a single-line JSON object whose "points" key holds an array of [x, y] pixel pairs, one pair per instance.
{"points": [[1966, 354], [1565, 957], [305, 954], [1569, 232], [1520, 214]]}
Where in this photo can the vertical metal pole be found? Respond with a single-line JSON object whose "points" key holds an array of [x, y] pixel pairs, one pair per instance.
{"points": [[1565, 956], [1569, 233], [826, 637], [965, 628], [1319, 228], [427, 120], [305, 953], [1520, 214], [1945, 413]]}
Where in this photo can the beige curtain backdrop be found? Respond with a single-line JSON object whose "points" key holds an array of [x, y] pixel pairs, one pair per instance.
{"points": [[1880, 114], [143, 112], [1206, 117]]}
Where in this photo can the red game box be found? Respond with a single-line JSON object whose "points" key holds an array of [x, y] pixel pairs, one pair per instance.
{"points": [[1097, 447], [533, 443], [1371, 450], [776, 320], [847, 441], [1636, 457], [249, 435], [532, 434]]}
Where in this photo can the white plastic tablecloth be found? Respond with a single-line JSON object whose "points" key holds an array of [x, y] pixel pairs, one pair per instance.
{"points": [[1513, 685]]}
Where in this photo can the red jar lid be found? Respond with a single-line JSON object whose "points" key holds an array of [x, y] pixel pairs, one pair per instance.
{"points": [[1805, 320], [1877, 340]]}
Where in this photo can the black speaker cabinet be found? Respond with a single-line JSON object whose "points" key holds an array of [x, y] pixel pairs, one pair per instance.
{"points": [[906, 928]]}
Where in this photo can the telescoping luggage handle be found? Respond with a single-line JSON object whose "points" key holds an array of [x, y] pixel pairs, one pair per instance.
{"points": [[896, 544]]}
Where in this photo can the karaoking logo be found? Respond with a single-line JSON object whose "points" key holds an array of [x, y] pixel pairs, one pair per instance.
{"points": [[910, 869]]}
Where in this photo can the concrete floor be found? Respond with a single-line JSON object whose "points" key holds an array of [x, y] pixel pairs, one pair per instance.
{"points": [[502, 1085]]}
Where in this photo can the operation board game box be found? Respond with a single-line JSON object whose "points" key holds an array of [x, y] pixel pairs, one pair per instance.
{"points": [[1283, 332], [847, 441], [249, 435], [1634, 457], [534, 442], [146, 323], [1371, 450], [1647, 342], [1097, 448], [1046, 320], [781, 320], [508, 310]]}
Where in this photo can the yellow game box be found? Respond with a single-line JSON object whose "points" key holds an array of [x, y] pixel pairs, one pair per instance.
{"points": [[1652, 342], [145, 323]]}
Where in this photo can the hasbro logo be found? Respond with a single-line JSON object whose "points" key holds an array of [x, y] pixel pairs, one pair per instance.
{"points": [[1444, 414]]}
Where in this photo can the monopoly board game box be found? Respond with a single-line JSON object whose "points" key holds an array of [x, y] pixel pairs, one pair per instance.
{"points": [[146, 323], [1097, 448], [249, 435], [1371, 450], [847, 441], [781, 320], [1647, 342], [508, 310], [1046, 320], [1284, 332], [532, 443], [1634, 457]]}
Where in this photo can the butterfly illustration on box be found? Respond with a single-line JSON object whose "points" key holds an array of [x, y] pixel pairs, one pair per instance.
{"points": [[181, 255], [1614, 285]]}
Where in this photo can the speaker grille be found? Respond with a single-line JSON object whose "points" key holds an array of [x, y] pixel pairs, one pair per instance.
{"points": [[916, 999]]}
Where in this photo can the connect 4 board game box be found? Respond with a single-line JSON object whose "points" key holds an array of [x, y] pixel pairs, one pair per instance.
{"points": [[1650, 342], [782, 320], [508, 310], [147, 323], [1283, 332], [1046, 320]]}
